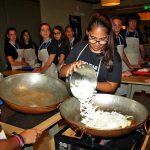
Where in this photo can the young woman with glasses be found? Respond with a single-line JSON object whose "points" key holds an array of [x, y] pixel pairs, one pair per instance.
{"points": [[99, 51], [62, 44]]}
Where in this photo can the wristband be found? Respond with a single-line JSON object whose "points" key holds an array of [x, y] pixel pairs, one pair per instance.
{"points": [[19, 138]]}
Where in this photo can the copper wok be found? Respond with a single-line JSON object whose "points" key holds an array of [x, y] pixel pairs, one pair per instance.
{"points": [[32, 93], [70, 111]]}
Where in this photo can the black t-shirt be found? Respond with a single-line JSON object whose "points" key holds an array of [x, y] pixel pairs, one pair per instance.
{"points": [[136, 34], [10, 50], [75, 41], [51, 47], [30, 45], [93, 59], [120, 40], [63, 48]]}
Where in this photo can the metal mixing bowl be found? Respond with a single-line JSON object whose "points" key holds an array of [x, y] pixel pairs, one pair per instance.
{"points": [[83, 81]]}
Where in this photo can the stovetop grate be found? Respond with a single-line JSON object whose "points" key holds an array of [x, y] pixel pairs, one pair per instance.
{"points": [[132, 141]]}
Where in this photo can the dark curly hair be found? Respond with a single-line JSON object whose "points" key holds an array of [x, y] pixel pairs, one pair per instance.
{"points": [[132, 17]]}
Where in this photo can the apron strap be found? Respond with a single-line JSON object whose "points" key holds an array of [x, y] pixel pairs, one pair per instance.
{"points": [[120, 37], [81, 52], [15, 46], [136, 33], [45, 45], [99, 66]]}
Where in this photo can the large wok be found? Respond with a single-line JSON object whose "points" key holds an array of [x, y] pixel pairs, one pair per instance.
{"points": [[32, 93], [70, 111]]}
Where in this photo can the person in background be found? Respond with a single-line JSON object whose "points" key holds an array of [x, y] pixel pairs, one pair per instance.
{"points": [[30, 48], [29, 136], [120, 44], [17, 141], [99, 51], [47, 52], [63, 46], [70, 34], [134, 50], [13, 53]]}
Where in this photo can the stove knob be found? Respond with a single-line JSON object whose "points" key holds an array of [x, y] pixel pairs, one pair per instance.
{"points": [[60, 146]]}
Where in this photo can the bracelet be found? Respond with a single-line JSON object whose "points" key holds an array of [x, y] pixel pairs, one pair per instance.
{"points": [[19, 138]]}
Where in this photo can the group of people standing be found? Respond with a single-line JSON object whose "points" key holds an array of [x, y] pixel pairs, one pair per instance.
{"points": [[54, 48], [129, 42], [58, 47], [129, 45]]}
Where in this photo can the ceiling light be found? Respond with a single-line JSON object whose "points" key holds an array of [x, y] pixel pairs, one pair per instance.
{"points": [[144, 15], [110, 2]]}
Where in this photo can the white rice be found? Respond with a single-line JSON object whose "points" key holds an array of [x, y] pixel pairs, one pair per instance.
{"points": [[93, 117]]}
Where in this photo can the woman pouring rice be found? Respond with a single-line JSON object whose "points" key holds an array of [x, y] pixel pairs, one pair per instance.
{"points": [[99, 51]]}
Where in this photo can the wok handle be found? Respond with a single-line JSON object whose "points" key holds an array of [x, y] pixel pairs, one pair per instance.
{"points": [[78, 133], [147, 128]]}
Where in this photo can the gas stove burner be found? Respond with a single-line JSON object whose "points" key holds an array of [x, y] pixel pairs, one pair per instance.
{"points": [[132, 141]]}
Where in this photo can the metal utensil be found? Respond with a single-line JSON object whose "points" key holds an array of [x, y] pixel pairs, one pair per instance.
{"points": [[106, 102], [83, 81], [32, 93]]}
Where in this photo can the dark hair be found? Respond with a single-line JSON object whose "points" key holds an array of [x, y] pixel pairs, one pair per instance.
{"points": [[101, 20], [6, 41], [21, 37], [45, 24], [133, 17], [62, 32], [74, 33], [69, 26], [63, 38], [116, 17]]}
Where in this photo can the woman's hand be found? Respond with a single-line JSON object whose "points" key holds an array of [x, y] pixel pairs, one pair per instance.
{"points": [[25, 64], [31, 135], [73, 67], [147, 80], [134, 66], [126, 74], [38, 69]]}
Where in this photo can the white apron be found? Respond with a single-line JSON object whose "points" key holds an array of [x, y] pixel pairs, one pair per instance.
{"points": [[30, 57], [132, 50], [120, 50], [20, 57], [43, 56], [122, 90]]}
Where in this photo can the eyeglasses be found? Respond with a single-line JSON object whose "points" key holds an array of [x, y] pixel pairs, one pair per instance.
{"points": [[94, 40], [56, 33]]}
